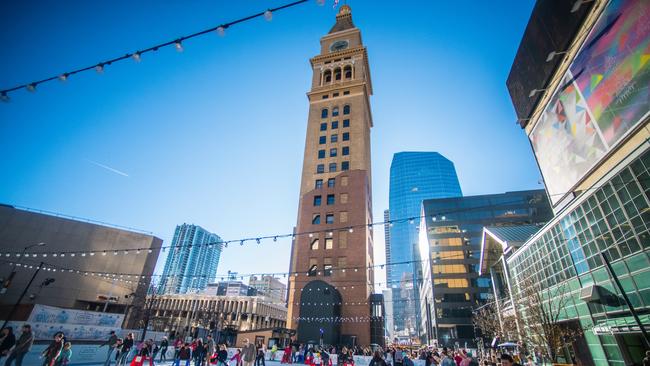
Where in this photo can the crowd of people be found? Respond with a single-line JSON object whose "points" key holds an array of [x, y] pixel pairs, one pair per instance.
{"points": [[57, 353]]}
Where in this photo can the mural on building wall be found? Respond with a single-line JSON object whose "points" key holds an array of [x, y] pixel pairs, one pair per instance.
{"points": [[605, 94]]}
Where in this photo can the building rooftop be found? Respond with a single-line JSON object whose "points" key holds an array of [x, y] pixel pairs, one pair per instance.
{"points": [[343, 20]]}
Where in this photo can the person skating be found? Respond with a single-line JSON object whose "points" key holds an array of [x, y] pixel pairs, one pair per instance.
{"points": [[164, 344], [22, 346], [248, 353], [125, 350], [110, 342], [51, 353], [261, 350], [65, 355], [7, 341]]}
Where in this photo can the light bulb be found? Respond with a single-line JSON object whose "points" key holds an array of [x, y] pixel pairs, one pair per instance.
{"points": [[137, 57], [31, 87], [99, 68], [221, 31], [63, 77], [351, 230], [4, 97], [179, 46], [104, 253], [268, 15]]}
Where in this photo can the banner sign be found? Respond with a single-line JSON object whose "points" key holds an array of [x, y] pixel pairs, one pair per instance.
{"points": [[55, 315]]}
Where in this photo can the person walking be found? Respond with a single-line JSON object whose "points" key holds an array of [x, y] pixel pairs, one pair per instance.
{"points": [[164, 344], [377, 359], [248, 353], [7, 341], [22, 346], [65, 355], [110, 342], [236, 357], [51, 353], [261, 350]]}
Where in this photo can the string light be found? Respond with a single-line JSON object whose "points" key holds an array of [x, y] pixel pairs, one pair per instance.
{"points": [[268, 15], [63, 77]]}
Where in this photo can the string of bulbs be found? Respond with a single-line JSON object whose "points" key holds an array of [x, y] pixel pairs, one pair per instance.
{"points": [[176, 43], [329, 232]]}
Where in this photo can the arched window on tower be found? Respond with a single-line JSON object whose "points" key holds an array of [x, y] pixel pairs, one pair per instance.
{"points": [[328, 76], [337, 73], [323, 113], [335, 112], [346, 109], [348, 72]]}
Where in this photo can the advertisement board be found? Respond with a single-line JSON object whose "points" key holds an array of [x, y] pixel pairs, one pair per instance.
{"points": [[603, 96]]}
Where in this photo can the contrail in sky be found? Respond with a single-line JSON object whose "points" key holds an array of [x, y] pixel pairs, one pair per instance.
{"points": [[107, 168]]}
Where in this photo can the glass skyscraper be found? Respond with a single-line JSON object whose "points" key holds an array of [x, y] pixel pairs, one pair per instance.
{"points": [[192, 260], [414, 177]]}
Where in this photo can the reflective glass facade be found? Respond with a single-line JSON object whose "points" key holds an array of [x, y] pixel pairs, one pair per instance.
{"points": [[191, 263], [451, 241], [414, 177], [615, 218]]}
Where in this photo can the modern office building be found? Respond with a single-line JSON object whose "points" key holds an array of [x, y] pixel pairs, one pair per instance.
{"points": [[579, 85], [229, 288], [335, 203], [451, 230], [84, 258], [270, 287], [192, 260], [414, 177]]}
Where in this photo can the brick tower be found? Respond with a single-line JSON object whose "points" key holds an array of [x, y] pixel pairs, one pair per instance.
{"points": [[335, 196]]}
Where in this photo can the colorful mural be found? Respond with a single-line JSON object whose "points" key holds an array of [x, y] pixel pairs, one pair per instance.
{"points": [[605, 93]]}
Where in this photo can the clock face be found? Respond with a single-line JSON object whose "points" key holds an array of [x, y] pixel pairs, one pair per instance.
{"points": [[338, 46]]}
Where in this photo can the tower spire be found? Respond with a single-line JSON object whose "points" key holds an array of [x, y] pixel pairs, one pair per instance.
{"points": [[343, 19]]}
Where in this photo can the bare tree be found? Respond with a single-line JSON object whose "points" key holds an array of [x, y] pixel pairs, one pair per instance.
{"points": [[495, 322], [542, 309]]}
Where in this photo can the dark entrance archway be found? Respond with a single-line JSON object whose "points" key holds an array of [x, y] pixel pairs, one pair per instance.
{"points": [[320, 309]]}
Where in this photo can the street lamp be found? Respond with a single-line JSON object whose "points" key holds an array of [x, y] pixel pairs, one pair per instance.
{"points": [[7, 282]]}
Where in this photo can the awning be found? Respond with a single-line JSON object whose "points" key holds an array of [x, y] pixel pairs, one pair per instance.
{"points": [[623, 325]]}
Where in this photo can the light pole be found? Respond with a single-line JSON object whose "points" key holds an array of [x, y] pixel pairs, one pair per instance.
{"points": [[20, 298], [7, 283]]}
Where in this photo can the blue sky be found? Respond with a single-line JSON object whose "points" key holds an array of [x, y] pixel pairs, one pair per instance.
{"points": [[215, 135]]}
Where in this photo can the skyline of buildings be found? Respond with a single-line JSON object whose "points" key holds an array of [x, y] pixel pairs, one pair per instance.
{"points": [[414, 177], [192, 260]]}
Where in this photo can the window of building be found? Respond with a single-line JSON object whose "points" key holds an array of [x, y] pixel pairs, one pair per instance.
{"points": [[323, 113], [319, 184], [346, 136], [337, 74], [344, 198], [346, 123], [329, 218], [322, 140], [314, 244], [321, 154], [329, 243], [323, 126], [332, 167], [335, 125], [348, 72], [330, 199], [315, 219], [328, 76], [317, 200], [335, 111], [327, 266], [344, 181], [345, 150], [346, 109], [346, 92], [345, 165], [332, 152], [313, 267], [343, 239], [343, 217], [331, 182], [334, 138], [320, 168], [335, 95], [342, 264], [325, 96]]}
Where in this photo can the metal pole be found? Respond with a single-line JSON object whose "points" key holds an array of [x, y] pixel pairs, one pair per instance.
{"points": [[13, 309], [610, 270]]}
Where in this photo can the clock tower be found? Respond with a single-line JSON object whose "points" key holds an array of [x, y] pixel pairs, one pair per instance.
{"points": [[332, 256]]}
